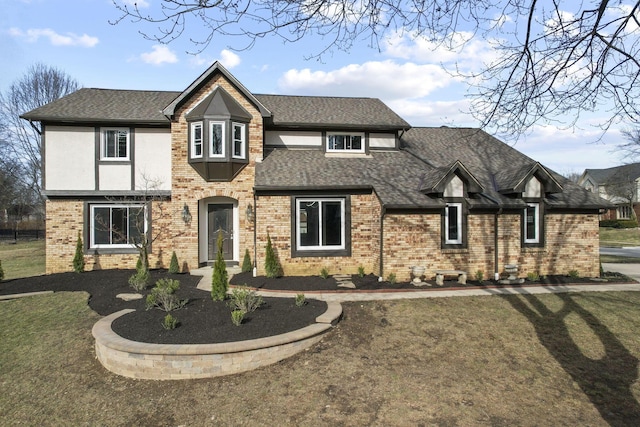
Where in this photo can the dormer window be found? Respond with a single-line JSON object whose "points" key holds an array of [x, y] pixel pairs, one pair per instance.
{"points": [[345, 142]]}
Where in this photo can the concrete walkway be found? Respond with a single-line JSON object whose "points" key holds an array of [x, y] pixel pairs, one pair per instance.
{"points": [[631, 270]]}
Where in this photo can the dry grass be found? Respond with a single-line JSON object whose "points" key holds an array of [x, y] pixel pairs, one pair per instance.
{"points": [[22, 259], [618, 237], [522, 360]]}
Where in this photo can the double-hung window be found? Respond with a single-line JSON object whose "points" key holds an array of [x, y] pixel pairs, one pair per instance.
{"points": [[238, 142], [320, 224], [345, 143], [531, 223], [114, 144], [216, 139], [116, 225], [196, 139], [453, 224]]}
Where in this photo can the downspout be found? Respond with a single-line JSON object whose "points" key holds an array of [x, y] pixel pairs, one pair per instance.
{"points": [[383, 211], [255, 234]]}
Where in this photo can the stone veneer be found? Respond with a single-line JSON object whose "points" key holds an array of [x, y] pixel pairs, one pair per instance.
{"points": [[189, 361]]}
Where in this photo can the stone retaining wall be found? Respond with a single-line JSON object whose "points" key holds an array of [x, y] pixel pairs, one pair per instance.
{"points": [[185, 361]]}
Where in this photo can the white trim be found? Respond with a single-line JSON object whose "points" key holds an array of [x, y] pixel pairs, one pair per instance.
{"points": [[223, 138], [320, 246], [92, 224], [536, 218], [346, 150], [192, 139], [103, 143], [458, 221], [243, 140]]}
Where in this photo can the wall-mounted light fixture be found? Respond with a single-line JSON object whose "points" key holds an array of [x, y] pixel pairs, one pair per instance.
{"points": [[186, 215], [249, 213]]}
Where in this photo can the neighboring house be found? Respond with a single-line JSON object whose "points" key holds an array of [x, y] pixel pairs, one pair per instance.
{"points": [[619, 185], [335, 182]]}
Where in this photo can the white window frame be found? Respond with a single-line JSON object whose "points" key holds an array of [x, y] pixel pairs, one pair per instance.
{"points": [[536, 219], [623, 212], [92, 224], [346, 150], [194, 125], [224, 138], [320, 247], [243, 139], [103, 145], [458, 222]]}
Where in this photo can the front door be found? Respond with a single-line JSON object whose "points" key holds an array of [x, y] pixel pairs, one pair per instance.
{"points": [[220, 219]]}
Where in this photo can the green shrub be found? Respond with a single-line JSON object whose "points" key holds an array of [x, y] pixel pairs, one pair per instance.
{"points": [[391, 278], [244, 299], [247, 266], [479, 275], [361, 271], [324, 273], [619, 223], [163, 296], [139, 264], [300, 300], [220, 278], [533, 277], [272, 267], [237, 316], [174, 267], [1, 272], [169, 322], [139, 280], [574, 274], [78, 258]]}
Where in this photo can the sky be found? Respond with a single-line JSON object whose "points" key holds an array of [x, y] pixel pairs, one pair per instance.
{"points": [[80, 37]]}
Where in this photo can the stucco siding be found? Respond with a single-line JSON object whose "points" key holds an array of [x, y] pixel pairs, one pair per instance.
{"points": [[293, 139], [69, 158], [153, 158]]}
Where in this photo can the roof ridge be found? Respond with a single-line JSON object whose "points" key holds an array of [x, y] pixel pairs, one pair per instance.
{"points": [[317, 96]]}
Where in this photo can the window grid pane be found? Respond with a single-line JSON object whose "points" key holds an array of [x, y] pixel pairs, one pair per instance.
{"points": [[118, 226], [320, 224]]}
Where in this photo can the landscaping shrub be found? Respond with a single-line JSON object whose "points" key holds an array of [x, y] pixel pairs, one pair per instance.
{"points": [[479, 275], [78, 258], [619, 223], [1, 272], [237, 316], [163, 296], [324, 273], [300, 300], [169, 322], [533, 277], [174, 267], [220, 278], [574, 274], [361, 271], [244, 299], [139, 280], [391, 278], [247, 266], [271, 265]]}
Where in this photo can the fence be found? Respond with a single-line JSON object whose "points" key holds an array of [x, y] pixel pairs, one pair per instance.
{"points": [[12, 234]]}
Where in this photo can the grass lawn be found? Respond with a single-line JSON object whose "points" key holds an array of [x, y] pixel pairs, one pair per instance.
{"points": [[618, 237], [22, 259], [565, 359]]}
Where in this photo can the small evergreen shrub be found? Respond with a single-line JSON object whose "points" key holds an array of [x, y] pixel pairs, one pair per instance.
{"points": [[533, 277], [139, 280], [237, 316], [391, 278], [324, 273], [300, 300], [479, 275], [78, 258], [163, 296], [574, 274], [220, 278], [244, 299], [139, 264], [1, 272], [619, 223], [169, 322], [271, 265], [361, 271], [174, 267], [247, 266]]}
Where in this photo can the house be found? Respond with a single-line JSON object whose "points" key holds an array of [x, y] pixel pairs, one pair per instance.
{"points": [[618, 185], [336, 183]]}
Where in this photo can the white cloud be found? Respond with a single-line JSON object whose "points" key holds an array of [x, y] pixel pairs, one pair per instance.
{"points": [[160, 54], [200, 61], [69, 39], [387, 80], [423, 112], [229, 59]]}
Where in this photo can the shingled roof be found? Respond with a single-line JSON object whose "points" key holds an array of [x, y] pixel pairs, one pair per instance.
{"points": [[398, 177], [106, 105], [614, 174]]}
